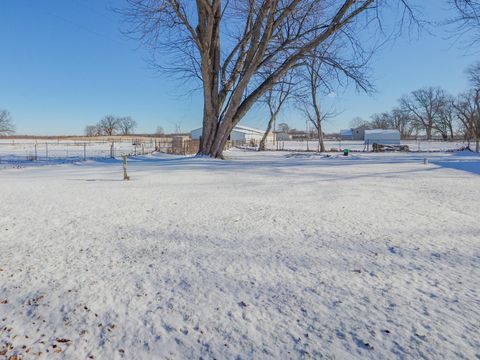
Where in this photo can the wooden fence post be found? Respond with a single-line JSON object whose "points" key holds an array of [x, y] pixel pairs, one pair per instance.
{"points": [[125, 175]]}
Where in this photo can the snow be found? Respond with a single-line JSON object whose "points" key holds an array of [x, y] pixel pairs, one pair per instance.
{"points": [[272, 255]]}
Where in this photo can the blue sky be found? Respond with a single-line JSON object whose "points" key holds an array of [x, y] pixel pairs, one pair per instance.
{"points": [[65, 64]]}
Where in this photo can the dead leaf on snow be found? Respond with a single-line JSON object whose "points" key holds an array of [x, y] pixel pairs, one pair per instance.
{"points": [[62, 340]]}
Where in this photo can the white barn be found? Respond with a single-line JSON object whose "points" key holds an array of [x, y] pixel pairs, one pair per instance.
{"points": [[383, 137], [239, 133]]}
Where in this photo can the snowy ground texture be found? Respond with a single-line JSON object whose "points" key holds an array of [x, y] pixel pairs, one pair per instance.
{"points": [[272, 256]]}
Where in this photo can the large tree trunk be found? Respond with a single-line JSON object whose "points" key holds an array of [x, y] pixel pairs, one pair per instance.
{"points": [[213, 145], [261, 146], [428, 129], [321, 145]]}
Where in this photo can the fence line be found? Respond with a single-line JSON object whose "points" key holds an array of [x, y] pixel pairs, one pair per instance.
{"points": [[41, 150]]}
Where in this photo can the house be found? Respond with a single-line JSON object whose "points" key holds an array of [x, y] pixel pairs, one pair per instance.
{"points": [[382, 136], [239, 133]]}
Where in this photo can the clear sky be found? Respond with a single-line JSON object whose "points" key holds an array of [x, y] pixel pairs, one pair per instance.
{"points": [[65, 64]]}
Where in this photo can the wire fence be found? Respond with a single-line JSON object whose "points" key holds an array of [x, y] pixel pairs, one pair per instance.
{"points": [[362, 146], [50, 151], [27, 150]]}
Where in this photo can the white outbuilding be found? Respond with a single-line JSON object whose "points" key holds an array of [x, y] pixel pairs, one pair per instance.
{"points": [[239, 133], [382, 136]]}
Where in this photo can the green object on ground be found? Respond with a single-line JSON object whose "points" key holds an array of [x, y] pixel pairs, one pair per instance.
{"points": [[345, 152]]}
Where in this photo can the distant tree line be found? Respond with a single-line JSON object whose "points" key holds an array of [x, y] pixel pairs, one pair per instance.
{"points": [[434, 112], [112, 125], [6, 123]]}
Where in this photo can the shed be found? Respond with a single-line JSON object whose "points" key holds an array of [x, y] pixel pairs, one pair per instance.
{"points": [[382, 136], [358, 133]]}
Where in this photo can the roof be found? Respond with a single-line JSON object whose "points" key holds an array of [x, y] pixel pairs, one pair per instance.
{"points": [[246, 129], [382, 131], [242, 129]]}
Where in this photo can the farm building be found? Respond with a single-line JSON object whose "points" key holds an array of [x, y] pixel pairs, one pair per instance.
{"points": [[381, 136], [353, 133], [239, 133], [346, 134]]}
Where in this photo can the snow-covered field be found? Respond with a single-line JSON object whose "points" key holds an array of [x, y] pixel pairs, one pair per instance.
{"points": [[276, 255]]}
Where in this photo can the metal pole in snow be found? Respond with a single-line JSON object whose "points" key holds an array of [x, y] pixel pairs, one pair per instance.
{"points": [[84, 151], [35, 151]]}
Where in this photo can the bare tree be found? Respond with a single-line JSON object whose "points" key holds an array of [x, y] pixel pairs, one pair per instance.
{"points": [[402, 121], [357, 122], [6, 123], [109, 125], [92, 130], [275, 98], [126, 125], [178, 127], [309, 99], [394, 119], [467, 106], [381, 121], [283, 127], [467, 20], [318, 117], [322, 73], [425, 107], [228, 44], [467, 111], [446, 119], [159, 131]]}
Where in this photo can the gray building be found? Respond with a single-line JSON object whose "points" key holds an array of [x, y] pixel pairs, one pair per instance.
{"points": [[353, 134]]}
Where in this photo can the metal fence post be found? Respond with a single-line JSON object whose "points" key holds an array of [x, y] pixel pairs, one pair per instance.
{"points": [[35, 151], [84, 151]]}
